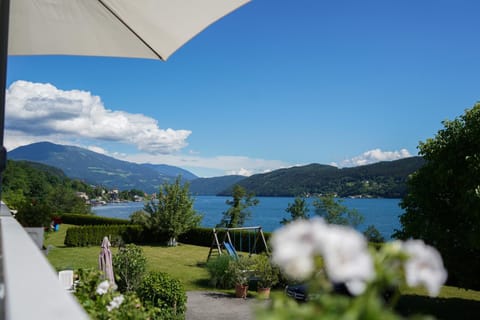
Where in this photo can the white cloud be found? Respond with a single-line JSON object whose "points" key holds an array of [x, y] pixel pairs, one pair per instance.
{"points": [[373, 156], [97, 150], [39, 112], [221, 165], [241, 172]]}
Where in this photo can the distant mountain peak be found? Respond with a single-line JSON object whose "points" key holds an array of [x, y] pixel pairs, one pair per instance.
{"points": [[99, 169]]}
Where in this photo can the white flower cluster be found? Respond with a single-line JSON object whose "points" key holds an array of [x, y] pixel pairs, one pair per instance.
{"points": [[345, 252], [424, 266], [346, 256], [103, 287], [115, 303]]}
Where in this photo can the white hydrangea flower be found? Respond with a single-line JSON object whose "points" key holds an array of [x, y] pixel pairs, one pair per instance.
{"points": [[356, 287], [300, 268], [115, 303], [103, 287], [424, 267], [344, 250], [346, 258], [294, 246], [393, 247]]}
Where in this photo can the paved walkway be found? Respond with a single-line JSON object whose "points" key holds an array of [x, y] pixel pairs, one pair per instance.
{"points": [[204, 305]]}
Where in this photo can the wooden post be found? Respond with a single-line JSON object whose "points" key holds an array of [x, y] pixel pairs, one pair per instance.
{"points": [[216, 243], [264, 241]]}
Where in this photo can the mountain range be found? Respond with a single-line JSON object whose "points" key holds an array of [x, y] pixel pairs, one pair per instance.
{"points": [[384, 179], [98, 169]]}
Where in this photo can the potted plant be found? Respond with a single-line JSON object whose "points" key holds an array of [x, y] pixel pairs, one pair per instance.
{"points": [[267, 275], [240, 271]]}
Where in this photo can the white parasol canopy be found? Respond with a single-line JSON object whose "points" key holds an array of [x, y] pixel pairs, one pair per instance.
{"points": [[152, 29], [123, 28]]}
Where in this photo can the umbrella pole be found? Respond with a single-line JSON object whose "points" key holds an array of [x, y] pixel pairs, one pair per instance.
{"points": [[4, 17]]}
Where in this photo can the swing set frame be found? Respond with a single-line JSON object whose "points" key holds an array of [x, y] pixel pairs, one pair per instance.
{"points": [[220, 246]]}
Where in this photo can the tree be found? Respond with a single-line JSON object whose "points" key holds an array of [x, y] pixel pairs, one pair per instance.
{"points": [[332, 210], [172, 213], [64, 200], [373, 235], [239, 211], [442, 205], [142, 218], [34, 213], [298, 210]]}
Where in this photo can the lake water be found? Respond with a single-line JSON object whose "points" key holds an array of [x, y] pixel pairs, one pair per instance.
{"points": [[382, 213]]}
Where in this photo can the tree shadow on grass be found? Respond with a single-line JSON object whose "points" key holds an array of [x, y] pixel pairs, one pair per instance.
{"points": [[203, 283], [441, 308]]}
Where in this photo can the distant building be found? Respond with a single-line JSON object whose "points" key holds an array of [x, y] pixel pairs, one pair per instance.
{"points": [[82, 195]]}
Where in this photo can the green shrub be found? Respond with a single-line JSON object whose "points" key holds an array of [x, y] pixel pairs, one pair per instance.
{"points": [[164, 292], [218, 268], [267, 273], [129, 264], [82, 236], [240, 270], [89, 219], [100, 305]]}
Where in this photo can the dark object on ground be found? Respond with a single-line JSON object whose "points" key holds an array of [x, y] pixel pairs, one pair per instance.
{"points": [[297, 292], [300, 291]]}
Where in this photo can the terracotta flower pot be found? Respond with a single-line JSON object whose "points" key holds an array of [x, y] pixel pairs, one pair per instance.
{"points": [[241, 291], [263, 293]]}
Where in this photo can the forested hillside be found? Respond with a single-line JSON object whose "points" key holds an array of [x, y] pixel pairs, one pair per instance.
{"points": [[99, 169], [383, 179], [27, 181], [213, 186]]}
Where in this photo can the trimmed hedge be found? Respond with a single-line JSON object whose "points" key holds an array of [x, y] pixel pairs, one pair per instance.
{"points": [[197, 236], [83, 236], [88, 219], [88, 235]]}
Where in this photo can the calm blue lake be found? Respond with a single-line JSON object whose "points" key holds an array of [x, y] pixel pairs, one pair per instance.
{"points": [[382, 213]]}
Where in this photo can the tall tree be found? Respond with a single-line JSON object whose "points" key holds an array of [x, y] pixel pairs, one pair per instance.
{"points": [[442, 206], [239, 211], [173, 213], [298, 210], [332, 210]]}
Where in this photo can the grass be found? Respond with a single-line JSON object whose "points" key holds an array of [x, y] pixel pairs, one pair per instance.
{"points": [[185, 262], [452, 303]]}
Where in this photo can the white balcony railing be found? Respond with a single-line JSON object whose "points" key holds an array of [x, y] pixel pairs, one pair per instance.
{"points": [[30, 288]]}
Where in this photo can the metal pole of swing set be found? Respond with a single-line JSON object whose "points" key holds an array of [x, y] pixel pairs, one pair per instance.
{"points": [[4, 20]]}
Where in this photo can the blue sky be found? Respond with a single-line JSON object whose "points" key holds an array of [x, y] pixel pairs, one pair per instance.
{"points": [[272, 85]]}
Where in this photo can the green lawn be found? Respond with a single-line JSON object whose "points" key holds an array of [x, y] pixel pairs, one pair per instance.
{"points": [[185, 262]]}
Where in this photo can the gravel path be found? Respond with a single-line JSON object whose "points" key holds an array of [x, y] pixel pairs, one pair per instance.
{"points": [[204, 305]]}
